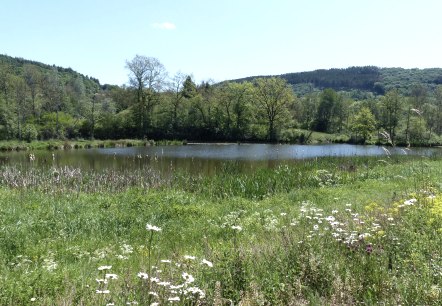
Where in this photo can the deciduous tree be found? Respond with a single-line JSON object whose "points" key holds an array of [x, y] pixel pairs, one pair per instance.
{"points": [[148, 76], [363, 123], [273, 98], [391, 112]]}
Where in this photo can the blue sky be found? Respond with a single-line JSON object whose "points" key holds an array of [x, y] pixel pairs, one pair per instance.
{"points": [[222, 40]]}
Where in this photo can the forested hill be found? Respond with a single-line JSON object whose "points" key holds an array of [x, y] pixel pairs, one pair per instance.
{"points": [[372, 79], [17, 66]]}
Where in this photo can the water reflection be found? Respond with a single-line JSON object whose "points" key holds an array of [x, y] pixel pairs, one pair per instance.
{"points": [[203, 159]]}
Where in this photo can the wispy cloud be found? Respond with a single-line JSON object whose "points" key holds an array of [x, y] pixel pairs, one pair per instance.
{"points": [[164, 26]]}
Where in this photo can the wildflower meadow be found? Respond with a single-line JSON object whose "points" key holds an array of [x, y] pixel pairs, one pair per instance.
{"points": [[331, 231]]}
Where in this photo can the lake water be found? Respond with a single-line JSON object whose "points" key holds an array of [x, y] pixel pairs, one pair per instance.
{"points": [[198, 158]]}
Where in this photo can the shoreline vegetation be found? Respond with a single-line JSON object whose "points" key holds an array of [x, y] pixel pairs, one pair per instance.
{"points": [[329, 231], [14, 145], [54, 144]]}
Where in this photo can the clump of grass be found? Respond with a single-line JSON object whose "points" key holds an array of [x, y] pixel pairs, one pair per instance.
{"points": [[68, 179]]}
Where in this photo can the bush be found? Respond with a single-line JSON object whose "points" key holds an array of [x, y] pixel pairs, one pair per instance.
{"points": [[30, 132]]}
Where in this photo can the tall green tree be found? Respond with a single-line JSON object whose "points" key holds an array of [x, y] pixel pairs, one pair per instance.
{"points": [[189, 88], [54, 93], [327, 101], [438, 104], [234, 100], [307, 108], [363, 124], [32, 78], [416, 100], [19, 86], [430, 115], [203, 119], [177, 96], [5, 80], [391, 106], [148, 76], [273, 98], [339, 114]]}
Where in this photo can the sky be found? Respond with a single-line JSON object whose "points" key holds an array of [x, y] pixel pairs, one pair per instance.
{"points": [[224, 39]]}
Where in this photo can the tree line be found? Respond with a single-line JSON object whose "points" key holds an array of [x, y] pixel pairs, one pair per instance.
{"points": [[44, 102]]}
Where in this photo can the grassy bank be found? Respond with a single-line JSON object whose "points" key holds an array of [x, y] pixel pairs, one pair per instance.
{"points": [[328, 231], [15, 145]]}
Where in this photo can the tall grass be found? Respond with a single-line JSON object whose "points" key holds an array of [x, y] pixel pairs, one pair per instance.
{"points": [[335, 231]]}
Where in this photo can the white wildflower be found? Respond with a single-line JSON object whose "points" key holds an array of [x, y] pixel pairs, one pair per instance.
{"points": [[195, 291], [104, 281], [101, 268], [154, 228], [410, 202], [166, 261], [206, 262], [111, 276], [364, 235], [174, 299], [50, 264], [188, 278], [143, 275], [102, 291], [154, 279], [173, 287], [189, 257], [236, 227], [127, 249]]}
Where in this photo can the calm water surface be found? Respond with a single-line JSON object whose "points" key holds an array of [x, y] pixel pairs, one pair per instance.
{"points": [[198, 158]]}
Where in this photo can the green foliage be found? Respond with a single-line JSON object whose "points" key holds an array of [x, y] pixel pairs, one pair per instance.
{"points": [[363, 124], [30, 132], [59, 125], [154, 107], [274, 100]]}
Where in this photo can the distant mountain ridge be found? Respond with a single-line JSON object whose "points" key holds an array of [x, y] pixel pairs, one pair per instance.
{"points": [[368, 78]]}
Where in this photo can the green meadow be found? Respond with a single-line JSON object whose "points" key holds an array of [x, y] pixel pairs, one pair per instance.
{"points": [[330, 231]]}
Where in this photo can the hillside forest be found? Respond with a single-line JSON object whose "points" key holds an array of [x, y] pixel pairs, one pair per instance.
{"points": [[359, 104]]}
